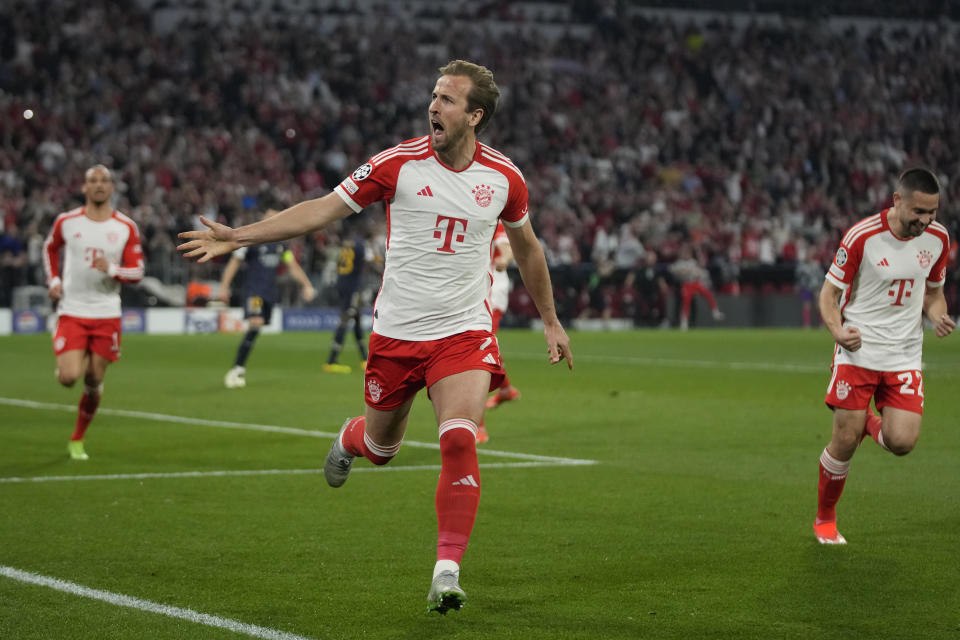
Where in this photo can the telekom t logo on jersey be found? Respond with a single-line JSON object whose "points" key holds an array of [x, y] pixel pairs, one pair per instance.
{"points": [[900, 289], [450, 234]]}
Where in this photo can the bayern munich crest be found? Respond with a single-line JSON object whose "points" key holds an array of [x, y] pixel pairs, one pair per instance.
{"points": [[924, 258], [483, 195], [841, 257], [843, 390], [362, 172], [374, 389]]}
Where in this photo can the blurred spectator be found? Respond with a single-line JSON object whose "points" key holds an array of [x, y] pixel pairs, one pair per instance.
{"points": [[737, 136]]}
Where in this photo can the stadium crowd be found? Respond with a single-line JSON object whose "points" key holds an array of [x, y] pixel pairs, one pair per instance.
{"points": [[748, 144]]}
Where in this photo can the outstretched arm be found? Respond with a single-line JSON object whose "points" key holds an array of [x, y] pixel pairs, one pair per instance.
{"points": [[935, 305], [536, 278], [305, 217]]}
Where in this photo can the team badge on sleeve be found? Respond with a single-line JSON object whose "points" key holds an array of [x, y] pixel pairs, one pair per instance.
{"points": [[362, 171], [841, 258]]}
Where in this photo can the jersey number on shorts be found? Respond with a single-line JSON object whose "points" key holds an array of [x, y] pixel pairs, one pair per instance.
{"points": [[907, 378]]}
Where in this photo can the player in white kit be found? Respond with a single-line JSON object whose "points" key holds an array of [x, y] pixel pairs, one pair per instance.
{"points": [[445, 193], [87, 254], [499, 298], [888, 272]]}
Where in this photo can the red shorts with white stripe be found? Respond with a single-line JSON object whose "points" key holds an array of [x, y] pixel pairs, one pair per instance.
{"points": [[398, 369], [96, 335], [851, 387]]}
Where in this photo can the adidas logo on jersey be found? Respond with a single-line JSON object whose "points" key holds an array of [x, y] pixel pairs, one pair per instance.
{"points": [[883, 263], [466, 481], [489, 359], [426, 191]]}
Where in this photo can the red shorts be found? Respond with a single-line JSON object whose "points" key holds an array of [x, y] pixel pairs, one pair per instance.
{"points": [[852, 387], [96, 335], [398, 369]]}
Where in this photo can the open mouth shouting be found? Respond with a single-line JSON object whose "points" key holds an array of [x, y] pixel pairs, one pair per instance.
{"points": [[439, 133]]}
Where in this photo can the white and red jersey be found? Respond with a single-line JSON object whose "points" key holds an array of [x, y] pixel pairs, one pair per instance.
{"points": [[499, 295], [884, 279], [89, 292], [440, 224]]}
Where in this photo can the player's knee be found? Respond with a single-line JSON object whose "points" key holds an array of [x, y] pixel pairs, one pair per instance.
{"points": [[67, 378], [846, 440], [899, 445]]}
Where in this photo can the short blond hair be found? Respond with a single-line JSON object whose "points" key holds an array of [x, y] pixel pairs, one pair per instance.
{"points": [[483, 95]]}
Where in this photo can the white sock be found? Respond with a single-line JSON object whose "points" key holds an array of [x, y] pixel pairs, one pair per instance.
{"points": [[446, 565], [880, 440]]}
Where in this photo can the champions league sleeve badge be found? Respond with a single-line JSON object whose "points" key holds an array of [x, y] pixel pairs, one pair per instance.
{"points": [[362, 172]]}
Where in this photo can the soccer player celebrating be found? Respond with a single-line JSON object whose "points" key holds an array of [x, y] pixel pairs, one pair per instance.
{"points": [[100, 248], [445, 193], [498, 298], [259, 294], [873, 304]]}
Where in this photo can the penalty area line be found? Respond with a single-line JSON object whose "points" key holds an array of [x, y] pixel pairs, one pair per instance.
{"points": [[121, 600], [224, 424], [270, 472]]}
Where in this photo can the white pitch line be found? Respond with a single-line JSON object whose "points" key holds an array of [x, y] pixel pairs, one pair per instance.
{"points": [[222, 424], [121, 600], [270, 472]]}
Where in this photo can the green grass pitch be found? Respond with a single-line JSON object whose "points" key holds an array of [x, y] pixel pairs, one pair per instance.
{"points": [[695, 521]]}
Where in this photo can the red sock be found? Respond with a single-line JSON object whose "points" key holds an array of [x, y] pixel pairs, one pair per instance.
{"points": [[458, 490], [833, 475], [872, 427], [356, 441], [85, 411]]}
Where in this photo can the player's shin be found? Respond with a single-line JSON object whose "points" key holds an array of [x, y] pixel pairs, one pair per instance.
{"points": [[833, 475], [458, 490], [358, 443], [86, 409]]}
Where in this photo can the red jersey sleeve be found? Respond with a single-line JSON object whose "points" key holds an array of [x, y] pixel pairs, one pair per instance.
{"points": [[938, 273], [51, 250], [131, 269], [376, 179], [514, 213]]}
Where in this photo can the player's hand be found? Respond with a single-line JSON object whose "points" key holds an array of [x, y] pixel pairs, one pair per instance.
{"points": [[849, 338], [308, 293], [558, 344], [944, 326], [216, 240], [55, 292], [100, 264]]}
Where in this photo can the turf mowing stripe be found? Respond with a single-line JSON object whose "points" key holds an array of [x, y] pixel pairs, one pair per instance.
{"points": [[272, 472], [162, 417], [145, 605]]}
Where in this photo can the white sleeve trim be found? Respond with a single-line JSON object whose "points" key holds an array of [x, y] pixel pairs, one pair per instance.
{"points": [[837, 283], [519, 223], [339, 190]]}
